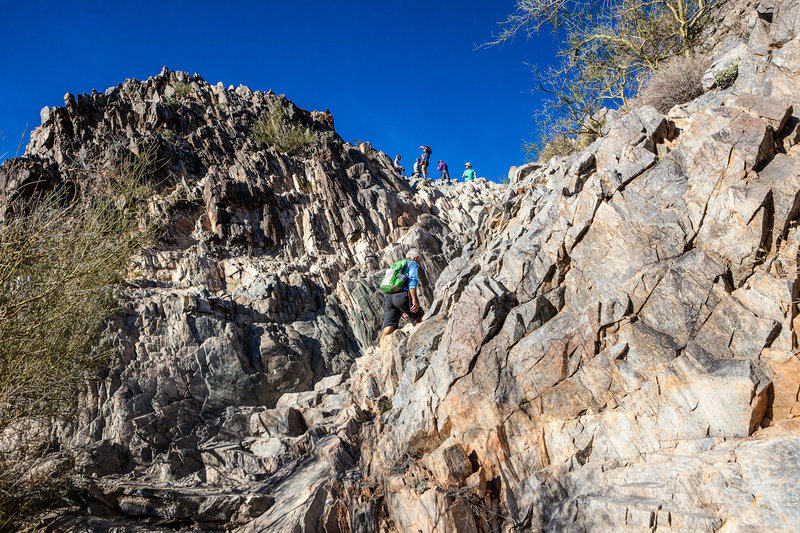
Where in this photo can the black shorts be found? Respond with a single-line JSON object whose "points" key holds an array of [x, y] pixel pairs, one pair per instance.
{"points": [[394, 305]]}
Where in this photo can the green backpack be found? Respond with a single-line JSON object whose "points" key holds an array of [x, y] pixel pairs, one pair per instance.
{"points": [[394, 280]]}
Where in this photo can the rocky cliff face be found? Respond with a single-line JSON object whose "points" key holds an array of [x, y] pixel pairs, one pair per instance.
{"points": [[610, 341], [265, 281]]}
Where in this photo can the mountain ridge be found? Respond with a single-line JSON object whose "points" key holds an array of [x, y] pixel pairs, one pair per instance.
{"points": [[610, 341]]}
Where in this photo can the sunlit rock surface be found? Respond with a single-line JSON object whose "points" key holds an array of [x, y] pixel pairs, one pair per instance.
{"points": [[610, 342]]}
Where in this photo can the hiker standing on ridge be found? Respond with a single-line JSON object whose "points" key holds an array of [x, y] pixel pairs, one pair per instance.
{"points": [[397, 165], [442, 168], [426, 155], [404, 302], [417, 169], [468, 174]]}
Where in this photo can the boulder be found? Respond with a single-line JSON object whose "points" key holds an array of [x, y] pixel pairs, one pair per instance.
{"points": [[280, 421], [448, 464]]}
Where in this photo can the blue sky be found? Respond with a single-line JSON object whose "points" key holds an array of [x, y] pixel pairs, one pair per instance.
{"points": [[397, 74]]}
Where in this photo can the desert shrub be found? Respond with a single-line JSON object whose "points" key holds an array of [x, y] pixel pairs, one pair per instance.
{"points": [[420, 485], [182, 90], [385, 406], [168, 134], [30, 487], [62, 260], [404, 462], [287, 137], [558, 138], [606, 49], [558, 146], [677, 82], [724, 78]]}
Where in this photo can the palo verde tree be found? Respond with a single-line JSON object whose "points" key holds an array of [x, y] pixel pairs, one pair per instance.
{"points": [[609, 47], [63, 257]]}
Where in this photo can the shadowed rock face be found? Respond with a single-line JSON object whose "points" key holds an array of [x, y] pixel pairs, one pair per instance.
{"points": [[610, 341]]}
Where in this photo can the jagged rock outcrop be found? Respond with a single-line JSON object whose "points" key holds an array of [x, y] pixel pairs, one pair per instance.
{"points": [[631, 357], [264, 282], [610, 341]]}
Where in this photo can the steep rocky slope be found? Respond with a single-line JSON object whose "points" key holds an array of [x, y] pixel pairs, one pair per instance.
{"points": [[630, 356], [610, 342], [264, 282]]}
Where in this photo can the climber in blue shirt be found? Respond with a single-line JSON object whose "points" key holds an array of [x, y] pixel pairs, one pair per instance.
{"points": [[405, 302]]}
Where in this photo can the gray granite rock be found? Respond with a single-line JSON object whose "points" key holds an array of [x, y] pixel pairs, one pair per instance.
{"points": [[609, 344]]}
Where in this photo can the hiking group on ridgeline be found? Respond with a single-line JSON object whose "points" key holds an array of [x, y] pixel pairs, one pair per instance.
{"points": [[400, 281], [420, 169]]}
